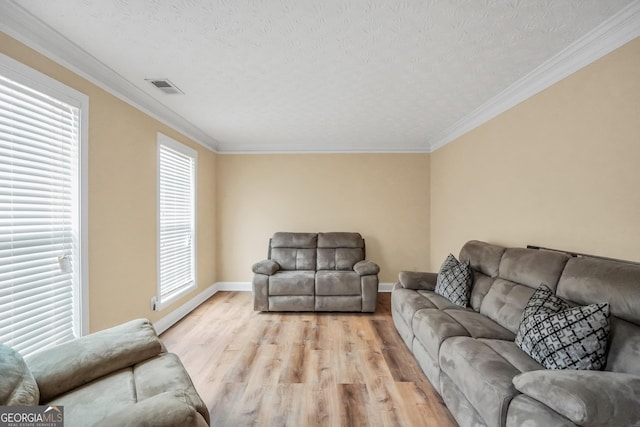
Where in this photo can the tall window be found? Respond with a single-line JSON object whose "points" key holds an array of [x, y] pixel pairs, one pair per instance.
{"points": [[42, 265], [177, 165]]}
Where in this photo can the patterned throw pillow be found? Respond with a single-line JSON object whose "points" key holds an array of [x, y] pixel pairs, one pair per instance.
{"points": [[559, 336], [454, 281]]}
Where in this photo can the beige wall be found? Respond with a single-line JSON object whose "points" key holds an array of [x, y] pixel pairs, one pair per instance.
{"points": [[385, 197], [122, 200], [561, 169]]}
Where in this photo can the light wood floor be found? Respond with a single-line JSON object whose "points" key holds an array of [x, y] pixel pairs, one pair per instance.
{"points": [[302, 369]]}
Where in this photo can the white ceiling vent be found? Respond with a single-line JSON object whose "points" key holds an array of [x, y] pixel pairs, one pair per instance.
{"points": [[166, 86]]}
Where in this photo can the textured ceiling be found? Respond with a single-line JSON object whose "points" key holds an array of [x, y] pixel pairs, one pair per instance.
{"points": [[302, 75]]}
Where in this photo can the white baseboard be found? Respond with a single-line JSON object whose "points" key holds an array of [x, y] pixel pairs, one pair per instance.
{"points": [[172, 318], [385, 287], [234, 286]]}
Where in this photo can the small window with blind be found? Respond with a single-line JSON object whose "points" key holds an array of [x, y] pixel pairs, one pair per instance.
{"points": [[177, 165], [43, 268]]}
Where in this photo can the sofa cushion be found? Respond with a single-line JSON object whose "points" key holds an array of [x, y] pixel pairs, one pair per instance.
{"points": [[531, 267], [454, 281], [431, 327], [563, 337], [439, 301], [588, 281], [166, 373], [294, 258], [624, 347], [586, 397], [505, 303], [479, 289], [292, 283], [480, 326], [483, 376], [340, 240], [17, 385], [482, 256], [339, 258], [294, 240], [406, 302], [86, 405], [513, 354], [338, 283]]}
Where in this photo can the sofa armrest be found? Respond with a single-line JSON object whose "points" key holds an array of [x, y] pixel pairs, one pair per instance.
{"points": [[364, 268], [593, 398], [167, 409], [418, 280], [72, 364], [267, 266]]}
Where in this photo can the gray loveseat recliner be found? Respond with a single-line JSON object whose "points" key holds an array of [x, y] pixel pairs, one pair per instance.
{"points": [[315, 272], [470, 357], [122, 376]]}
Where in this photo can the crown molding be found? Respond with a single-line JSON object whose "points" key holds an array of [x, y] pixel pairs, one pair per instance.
{"points": [[616, 31], [273, 149], [24, 27]]}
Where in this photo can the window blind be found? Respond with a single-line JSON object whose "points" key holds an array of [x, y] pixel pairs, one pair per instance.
{"points": [[177, 167], [39, 219]]}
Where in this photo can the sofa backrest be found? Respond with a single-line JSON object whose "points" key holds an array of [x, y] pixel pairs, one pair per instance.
{"points": [[502, 288], [484, 259], [590, 281], [504, 280], [339, 251], [317, 251], [294, 251]]}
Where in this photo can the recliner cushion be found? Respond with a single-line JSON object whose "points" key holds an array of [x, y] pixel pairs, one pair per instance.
{"points": [[338, 283], [339, 258], [292, 283], [294, 258]]}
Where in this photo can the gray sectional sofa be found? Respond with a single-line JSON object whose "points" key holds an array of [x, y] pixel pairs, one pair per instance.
{"points": [[470, 357], [315, 272]]}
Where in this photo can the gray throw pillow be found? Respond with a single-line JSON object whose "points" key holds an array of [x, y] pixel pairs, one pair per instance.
{"points": [[559, 336], [454, 281]]}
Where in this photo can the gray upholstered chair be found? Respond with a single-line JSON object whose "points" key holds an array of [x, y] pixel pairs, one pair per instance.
{"points": [[316, 272], [121, 376]]}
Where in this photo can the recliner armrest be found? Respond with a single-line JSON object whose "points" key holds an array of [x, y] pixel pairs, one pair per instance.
{"points": [[67, 366], [267, 266], [418, 280], [365, 267], [593, 398]]}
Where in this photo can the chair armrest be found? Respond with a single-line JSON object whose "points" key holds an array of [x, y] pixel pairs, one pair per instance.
{"points": [[593, 398], [72, 364], [267, 266], [166, 409], [418, 280], [364, 268]]}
